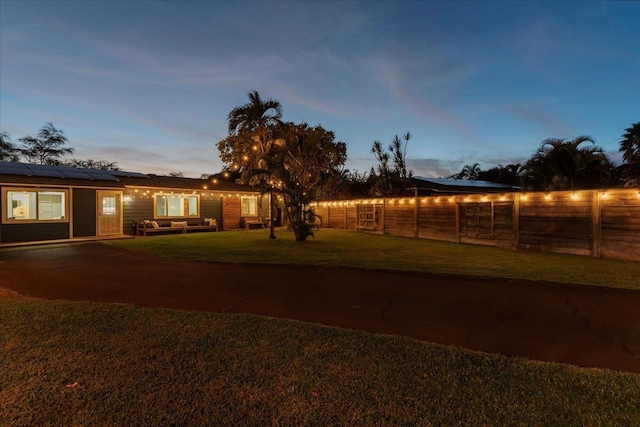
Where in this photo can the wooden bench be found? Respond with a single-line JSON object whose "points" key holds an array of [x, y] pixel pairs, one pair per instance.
{"points": [[252, 222], [146, 228]]}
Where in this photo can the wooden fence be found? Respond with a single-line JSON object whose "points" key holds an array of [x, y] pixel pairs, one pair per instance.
{"points": [[600, 223]]}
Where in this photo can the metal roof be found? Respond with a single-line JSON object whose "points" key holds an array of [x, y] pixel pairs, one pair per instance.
{"points": [[451, 182]]}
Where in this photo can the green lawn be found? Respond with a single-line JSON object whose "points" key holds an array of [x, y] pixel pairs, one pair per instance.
{"points": [[65, 363], [349, 248]]}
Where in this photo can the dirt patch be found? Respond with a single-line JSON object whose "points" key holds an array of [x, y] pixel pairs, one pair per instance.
{"points": [[580, 325]]}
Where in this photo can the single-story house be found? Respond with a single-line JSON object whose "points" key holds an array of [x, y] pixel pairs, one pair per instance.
{"points": [[450, 186], [47, 203]]}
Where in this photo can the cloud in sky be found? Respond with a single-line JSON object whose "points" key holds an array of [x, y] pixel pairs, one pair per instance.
{"points": [[472, 81]]}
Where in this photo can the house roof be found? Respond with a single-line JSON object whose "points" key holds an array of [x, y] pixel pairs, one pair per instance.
{"points": [[465, 186], [23, 173]]}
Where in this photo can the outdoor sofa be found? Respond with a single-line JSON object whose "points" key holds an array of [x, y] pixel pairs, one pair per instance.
{"points": [[150, 227]]}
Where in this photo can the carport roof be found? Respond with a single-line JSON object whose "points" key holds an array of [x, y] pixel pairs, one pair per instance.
{"points": [[459, 186]]}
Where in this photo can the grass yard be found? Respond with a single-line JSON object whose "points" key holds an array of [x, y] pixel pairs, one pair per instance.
{"points": [[352, 249], [65, 363]]}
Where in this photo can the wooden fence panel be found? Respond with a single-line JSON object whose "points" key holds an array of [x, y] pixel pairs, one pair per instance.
{"points": [[399, 219], [437, 219], [487, 223], [558, 221], [322, 212], [336, 217], [595, 222], [620, 217], [352, 217], [503, 223]]}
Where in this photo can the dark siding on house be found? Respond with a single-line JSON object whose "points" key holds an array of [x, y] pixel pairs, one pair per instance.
{"points": [[138, 207], [211, 207], [135, 208], [15, 233], [84, 212], [1, 214]]}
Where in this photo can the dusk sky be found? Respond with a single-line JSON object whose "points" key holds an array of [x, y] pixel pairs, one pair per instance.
{"points": [[149, 84]]}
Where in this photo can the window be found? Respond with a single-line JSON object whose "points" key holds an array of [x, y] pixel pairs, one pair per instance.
{"points": [[175, 205], [249, 206], [35, 205]]}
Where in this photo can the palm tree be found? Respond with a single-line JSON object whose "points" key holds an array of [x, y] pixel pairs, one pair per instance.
{"points": [[508, 175], [254, 118], [630, 149], [8, 151], [468, 172], [250, 129], [559, 164], [630, 144]]}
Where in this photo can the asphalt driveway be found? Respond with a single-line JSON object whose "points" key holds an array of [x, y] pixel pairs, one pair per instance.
{"points": [[586, 326]]}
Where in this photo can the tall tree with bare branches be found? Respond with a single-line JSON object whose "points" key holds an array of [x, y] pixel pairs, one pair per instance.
{"points": [[47, 148], [8, 151]]}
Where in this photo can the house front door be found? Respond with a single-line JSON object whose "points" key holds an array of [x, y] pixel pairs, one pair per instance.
{"points": [[109, 213]]}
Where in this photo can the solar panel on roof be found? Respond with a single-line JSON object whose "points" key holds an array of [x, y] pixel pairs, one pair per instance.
{"points": [[40, 167], [52, 173], [13, 165], [61, 171], [128, 174], [102, 176], [77, 175], [66, 169], [7, 170]]}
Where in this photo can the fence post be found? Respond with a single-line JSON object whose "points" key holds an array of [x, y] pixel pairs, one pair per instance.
{"points": [[596, 218], [384, 213], [515, 228], [416, 214], [458, 206], [345, 216]]}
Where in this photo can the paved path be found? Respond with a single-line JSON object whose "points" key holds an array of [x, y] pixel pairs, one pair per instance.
{"points": [[594, 327]]}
